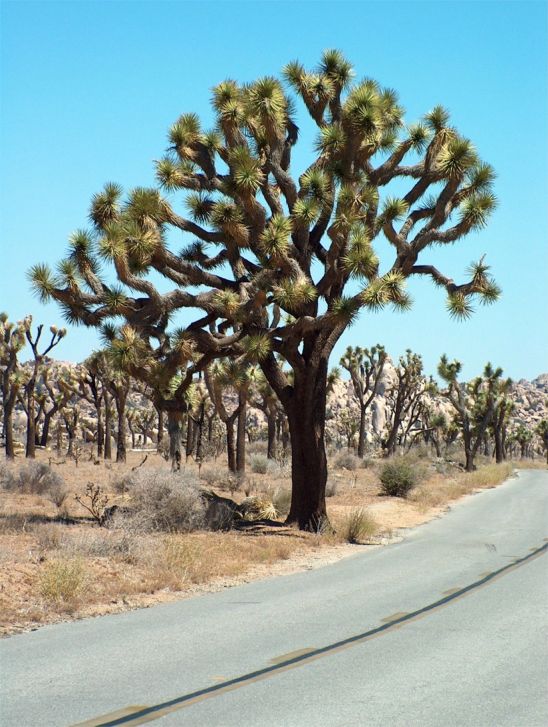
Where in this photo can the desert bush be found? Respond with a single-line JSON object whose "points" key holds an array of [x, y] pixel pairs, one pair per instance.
{"points": [[62, 580], [282, 501], [35, 478], [331, 488], [166, 501], [257, 447], [358, 526], [259, 464], [115, 543], [347, 461], [214, 476], [399, 476], [49, 536]]}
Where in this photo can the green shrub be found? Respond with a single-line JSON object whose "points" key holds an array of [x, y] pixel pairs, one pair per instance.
{"points": [[398, 477]]}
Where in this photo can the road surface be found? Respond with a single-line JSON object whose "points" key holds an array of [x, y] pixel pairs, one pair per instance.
{"points": [[447, 627]]}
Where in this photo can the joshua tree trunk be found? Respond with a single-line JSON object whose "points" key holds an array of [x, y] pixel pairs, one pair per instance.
{"points": [[8, 429], [108, 426], [240, 443], [361, 435], [306, 416], [175, 432], [48, 416], [499, 448], [271, 424], [160, 424], [100, 430], [230, 448], [31, 421]]}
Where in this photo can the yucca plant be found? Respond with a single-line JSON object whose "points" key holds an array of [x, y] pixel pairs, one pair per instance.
{"points": [[295, 256]]}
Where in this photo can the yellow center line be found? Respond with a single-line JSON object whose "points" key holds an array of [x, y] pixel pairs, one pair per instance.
{"points": [[304, 656]]}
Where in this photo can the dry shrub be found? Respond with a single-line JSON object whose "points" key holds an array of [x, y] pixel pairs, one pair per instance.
{"points": [[180, 560], [34, 478], [282, 501], [62, 581], [166, 501], [358, 526], [331, 488], [49, 536], [214, 476], [259, 464], [347, 461], [438, 492], [100, 544]]}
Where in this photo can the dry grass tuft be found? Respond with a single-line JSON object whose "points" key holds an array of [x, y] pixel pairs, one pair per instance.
{"points": [[359, 526], [62, 581], [439, 491]]}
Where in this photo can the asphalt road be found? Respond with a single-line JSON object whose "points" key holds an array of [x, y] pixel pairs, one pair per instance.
{"points": [[446, 628]]}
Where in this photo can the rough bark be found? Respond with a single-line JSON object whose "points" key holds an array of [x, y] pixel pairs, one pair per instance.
{"points": [[174, 428], [240, 438]]}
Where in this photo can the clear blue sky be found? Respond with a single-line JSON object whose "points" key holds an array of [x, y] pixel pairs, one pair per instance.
{"points": [[90, 88]]}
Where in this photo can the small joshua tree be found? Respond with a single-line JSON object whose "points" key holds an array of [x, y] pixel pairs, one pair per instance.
{"points": [[542, 431], [475, 404], [365, 367], [12, 340]]}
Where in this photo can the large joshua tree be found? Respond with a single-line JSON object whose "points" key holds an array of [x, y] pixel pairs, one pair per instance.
{"points": [[283, 260]]}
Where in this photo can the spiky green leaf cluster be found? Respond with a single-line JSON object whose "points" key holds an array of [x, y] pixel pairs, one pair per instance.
{"points": [[294, 293], [476, 209], [274, 241], [360, 260], [256, 347]]}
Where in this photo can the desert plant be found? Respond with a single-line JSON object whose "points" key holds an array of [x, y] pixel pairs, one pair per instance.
{"points": [[347, 461], [35, 478], [258, 508], [166, 501], [398, 477], [95, 501], [299, 251], [259, 464], [282, 500], [62, 581], [331, 488], [359, 525]]}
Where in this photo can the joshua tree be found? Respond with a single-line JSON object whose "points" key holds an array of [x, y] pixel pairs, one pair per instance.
{"points": [[405, 400], [542, 431], [499, 426], [219, 377], [60, 389], [29, 386], [523, 437], [365, 367], [269, 241], [265, 399], [12, 340], [475, 403]]}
